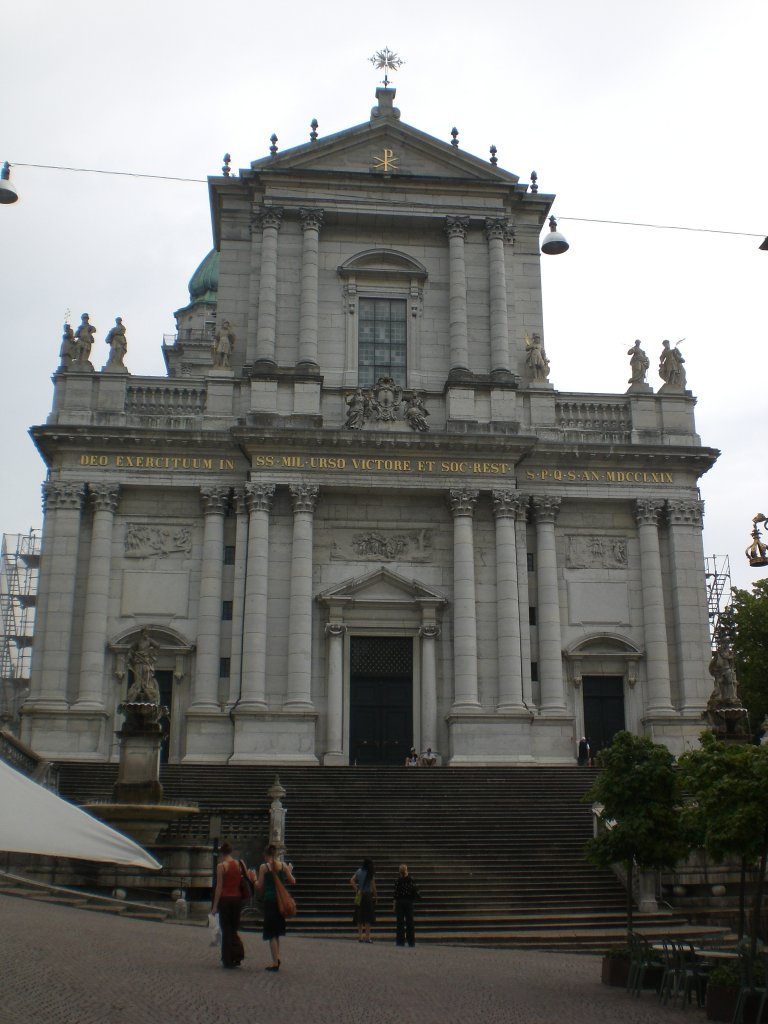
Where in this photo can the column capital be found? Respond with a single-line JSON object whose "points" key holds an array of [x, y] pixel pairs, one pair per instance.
{"points": [[648, 511], [104, 497], [499, 228], [214, 500], [58, 495], [545, 507], [335, 629], [258, 497], [311, 219], [685, 512], [456, 227], [304, 497], [462, 502], [429, 632], [268, 217], [509, 504]]}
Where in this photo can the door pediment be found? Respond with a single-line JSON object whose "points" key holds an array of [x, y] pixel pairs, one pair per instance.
{"points": [[382, 586]]}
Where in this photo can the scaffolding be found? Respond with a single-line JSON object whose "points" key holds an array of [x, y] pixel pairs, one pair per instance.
{"points": [[19, 569], [718, 580]]}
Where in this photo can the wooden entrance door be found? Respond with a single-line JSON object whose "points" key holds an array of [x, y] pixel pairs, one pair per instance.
{"points": [[603, 709]]}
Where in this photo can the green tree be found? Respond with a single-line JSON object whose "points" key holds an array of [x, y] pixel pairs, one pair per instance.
{"points": [[745, 625], [639, 789], [728, 784]]}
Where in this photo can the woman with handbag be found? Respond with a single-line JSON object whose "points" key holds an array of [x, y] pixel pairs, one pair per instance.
{"points": [[364, 883], [232, 887], [273, 876]]}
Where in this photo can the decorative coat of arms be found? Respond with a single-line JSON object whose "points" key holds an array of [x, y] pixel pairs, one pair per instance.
{"points": [[385, 403]]}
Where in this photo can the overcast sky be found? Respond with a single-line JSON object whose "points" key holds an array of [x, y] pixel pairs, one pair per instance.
{"points": [[651, 112]]}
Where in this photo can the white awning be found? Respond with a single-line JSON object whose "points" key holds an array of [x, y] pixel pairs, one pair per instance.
{"points": [[35, 820]]}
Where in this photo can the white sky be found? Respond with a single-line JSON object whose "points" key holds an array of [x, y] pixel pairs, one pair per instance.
{"points": [[628, 111]]}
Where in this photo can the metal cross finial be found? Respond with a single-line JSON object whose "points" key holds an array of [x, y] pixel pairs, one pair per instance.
{"points": [[494, 158], [273, 147], [313, 126], [386, 60], [225, 170], [455, 134]]}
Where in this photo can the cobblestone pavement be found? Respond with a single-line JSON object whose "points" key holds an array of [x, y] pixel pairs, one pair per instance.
{"points": [[64, 966]]}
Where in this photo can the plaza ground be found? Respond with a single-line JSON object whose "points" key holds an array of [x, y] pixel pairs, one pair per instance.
{"points": [[65, 966]]}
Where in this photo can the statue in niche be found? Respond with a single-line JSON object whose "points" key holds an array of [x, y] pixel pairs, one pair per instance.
{"points": [[671, 368], [639, 364], [415, 413], [536, 359], [84, 339], [68, 350], [357, 405], [223, 346], [118, 344], [142, 659]]}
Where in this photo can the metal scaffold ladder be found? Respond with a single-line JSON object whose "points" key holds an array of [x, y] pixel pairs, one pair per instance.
{"points": [[19, 565], [718, 581]]}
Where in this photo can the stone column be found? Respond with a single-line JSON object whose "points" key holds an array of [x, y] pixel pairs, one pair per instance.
{"points": [[658, 695], [311, 221], [689, 604], [205, 692], [456, 228], [238, 595], [299, 695], [497, 231], [507, 506], [429, 634], [521, 540], [462, 505], [258, 497], [266, 331], [334, 740], [103, 499], [59, 567], [545, 509]]}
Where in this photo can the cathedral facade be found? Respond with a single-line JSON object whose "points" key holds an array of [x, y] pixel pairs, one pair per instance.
{"points": [[356, 515]]}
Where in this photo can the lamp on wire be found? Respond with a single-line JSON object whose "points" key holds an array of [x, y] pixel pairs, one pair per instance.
{"points": [[8, 193], [554, 243]]}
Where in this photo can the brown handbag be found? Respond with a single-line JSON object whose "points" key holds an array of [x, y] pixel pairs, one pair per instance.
{"points": [[286, 904]]}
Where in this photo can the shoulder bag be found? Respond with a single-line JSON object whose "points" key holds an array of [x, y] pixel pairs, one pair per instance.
{"points": [[286, 904]]}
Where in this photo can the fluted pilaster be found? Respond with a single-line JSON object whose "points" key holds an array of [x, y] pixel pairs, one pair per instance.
{"points": [[429, 634], [692, 647]]}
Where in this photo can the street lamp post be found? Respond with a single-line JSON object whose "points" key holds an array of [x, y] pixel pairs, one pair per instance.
{"points": [[757, 552]]}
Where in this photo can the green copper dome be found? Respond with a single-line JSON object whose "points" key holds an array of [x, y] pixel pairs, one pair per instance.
{"points": [[204, 283]]}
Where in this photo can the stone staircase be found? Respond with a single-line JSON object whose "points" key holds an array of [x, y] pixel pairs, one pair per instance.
{"points": [[497, 853]]}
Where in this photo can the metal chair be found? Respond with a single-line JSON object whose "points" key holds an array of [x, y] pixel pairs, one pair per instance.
{"points": [[642, 956], [751, 985]]}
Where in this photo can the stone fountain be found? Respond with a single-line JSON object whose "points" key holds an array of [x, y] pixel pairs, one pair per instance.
{"points": [[727, 716], [137, 806]]}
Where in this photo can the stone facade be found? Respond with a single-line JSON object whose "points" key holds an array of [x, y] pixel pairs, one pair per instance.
{"points": [[357, 515]]}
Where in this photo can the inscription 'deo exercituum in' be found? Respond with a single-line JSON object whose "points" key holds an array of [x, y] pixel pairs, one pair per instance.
{"points": [[353, 464]]}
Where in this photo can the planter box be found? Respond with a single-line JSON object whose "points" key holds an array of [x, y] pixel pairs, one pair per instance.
{"points": [[615, 971], [721, 1002]]}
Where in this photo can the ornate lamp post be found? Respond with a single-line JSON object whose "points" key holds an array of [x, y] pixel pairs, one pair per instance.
{"points": [[757, 552]]}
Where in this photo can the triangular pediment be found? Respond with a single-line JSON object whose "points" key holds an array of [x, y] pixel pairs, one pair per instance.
{"points": [[391, 149], [382, 586]]}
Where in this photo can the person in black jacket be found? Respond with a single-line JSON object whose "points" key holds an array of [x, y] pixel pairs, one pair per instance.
{"points": [[404, 895]]}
